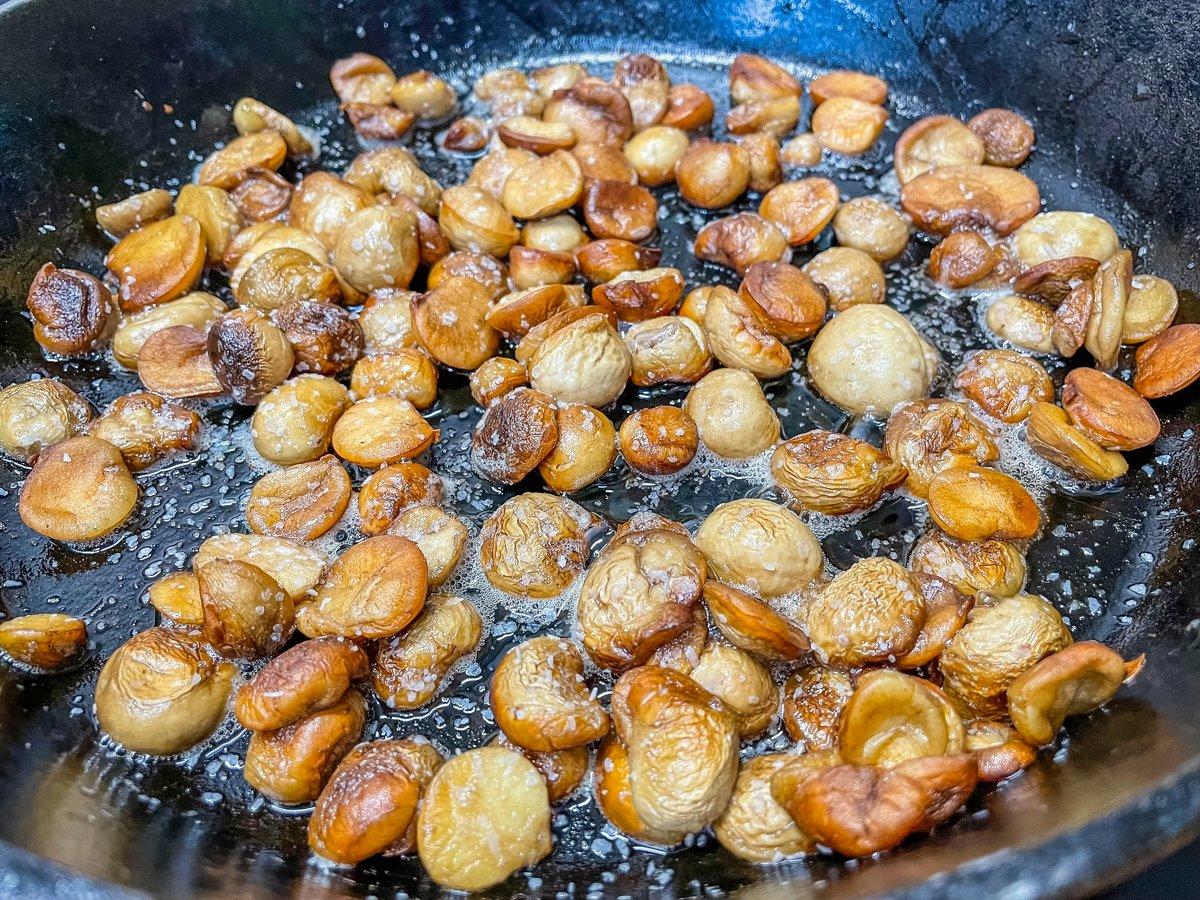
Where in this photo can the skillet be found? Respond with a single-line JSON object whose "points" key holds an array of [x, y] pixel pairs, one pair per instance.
{"points": [[1112, 91]]}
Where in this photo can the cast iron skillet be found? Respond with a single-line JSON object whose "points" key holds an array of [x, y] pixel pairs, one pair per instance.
{"points": [[84, 89]]}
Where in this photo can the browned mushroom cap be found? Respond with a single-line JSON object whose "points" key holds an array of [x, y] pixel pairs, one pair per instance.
{"points": [[174, 362], [860, 810], [72, 311], [688, 107], [848, 83], [935, 141], [1007, 137], [813, 698], [310, 676], [948, 198], [246, 613], [946, 611], [972, 503], [753, 625], [637, 595], [740, 682], [1108, 411], [514, 435], [801, 209], [683, 748], [892, 717], [962, 258], [1004, 383], [1073, 681], [617, 209], [325, 338], [638, 295], [535, 544]]}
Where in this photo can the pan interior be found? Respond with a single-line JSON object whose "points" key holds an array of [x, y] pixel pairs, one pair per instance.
{"points": [[1110, 560]]}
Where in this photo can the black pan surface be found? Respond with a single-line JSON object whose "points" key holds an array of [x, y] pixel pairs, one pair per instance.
{"points": [[100, 99]]}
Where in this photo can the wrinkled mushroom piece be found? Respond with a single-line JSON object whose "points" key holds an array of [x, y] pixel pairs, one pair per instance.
{"points": [[929, 436], [37, 414], [369, 804], [44, 642], [311, 676], [813, 699]]}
